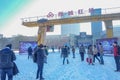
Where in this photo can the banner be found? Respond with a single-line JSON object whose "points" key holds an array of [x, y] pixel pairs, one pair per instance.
{"points": [[23, 46], [107, 44]]}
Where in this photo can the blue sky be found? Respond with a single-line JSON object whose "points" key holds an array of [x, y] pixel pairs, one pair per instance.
{"points": [[11, 12], [10, 8]]}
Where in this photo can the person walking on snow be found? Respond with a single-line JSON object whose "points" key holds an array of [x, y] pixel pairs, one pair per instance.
{"points": [[116, 56], [82, 52], [73, 51], [90, 55], [7, 57], [100, 50], [39, 57], [95, 54], [30, 51], [65, 54]]}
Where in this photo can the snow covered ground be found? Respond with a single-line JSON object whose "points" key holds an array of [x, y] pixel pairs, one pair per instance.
{"points": [[76, 70]]}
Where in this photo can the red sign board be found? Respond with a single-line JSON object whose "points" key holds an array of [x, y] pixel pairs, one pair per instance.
{"points": [[50, 28], [71, 12]]}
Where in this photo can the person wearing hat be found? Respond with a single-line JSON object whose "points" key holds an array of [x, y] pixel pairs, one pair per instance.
{"points": [[7, 57]]}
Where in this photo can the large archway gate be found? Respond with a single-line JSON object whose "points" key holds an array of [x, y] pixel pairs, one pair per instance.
{"points": [[43, 24]]}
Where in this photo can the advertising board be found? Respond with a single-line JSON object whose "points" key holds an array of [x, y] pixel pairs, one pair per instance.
{"points": [[107, 44], [23, 46]]}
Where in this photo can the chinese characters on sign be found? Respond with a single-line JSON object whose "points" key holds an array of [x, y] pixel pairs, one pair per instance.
{"points": [[70, 13]]}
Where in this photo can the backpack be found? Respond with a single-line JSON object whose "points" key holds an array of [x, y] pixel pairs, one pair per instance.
{"points": [[118, 50]]}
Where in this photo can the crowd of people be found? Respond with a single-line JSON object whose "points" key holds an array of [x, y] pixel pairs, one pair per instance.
{"points": [[94, 52], [39, 55]]}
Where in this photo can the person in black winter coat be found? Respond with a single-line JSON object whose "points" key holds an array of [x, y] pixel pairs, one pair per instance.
{"points": [[73, 51], [40, 55], [82, 52], [7, 57], [30, 52], [65, 54]]}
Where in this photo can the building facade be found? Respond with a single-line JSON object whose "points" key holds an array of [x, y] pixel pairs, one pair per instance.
{"points": [[116, 32], [84, 39], [67, 29], [96, 27]]}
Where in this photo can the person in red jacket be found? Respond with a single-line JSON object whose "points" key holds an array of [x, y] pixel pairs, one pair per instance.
{"points": [[116, 56]]}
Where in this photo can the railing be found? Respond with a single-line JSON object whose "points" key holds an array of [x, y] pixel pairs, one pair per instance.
{"points": [[86, 13]]}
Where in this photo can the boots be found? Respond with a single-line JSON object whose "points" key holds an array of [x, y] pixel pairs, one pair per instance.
{"points": [[67, 61]]}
